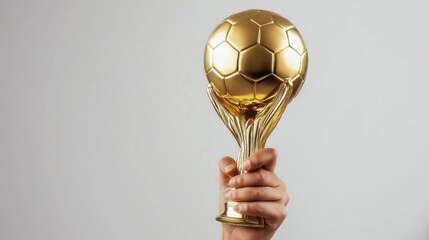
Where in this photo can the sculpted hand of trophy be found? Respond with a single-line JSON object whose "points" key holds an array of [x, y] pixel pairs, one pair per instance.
{"points": [[256, 63]]}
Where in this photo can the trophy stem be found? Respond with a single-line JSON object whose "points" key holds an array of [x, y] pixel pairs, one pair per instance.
{"points": [[251, 135], [250, 143]]}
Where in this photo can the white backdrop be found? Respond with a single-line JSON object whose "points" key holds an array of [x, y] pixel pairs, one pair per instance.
{"points": [[106, 131]]}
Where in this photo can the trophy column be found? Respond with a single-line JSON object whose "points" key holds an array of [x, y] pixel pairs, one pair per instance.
{"points": [[251, 135]]}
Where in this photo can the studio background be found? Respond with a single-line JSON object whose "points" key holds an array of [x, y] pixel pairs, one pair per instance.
{"points": [[106, 131]]}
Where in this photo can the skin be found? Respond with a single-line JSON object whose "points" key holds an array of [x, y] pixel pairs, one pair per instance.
{"points": [[259, 193]]}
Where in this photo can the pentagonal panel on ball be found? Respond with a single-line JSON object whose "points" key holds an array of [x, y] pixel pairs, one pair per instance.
{"points": [[217, 81], [262, 18], [274, 37], [256, 63], [295, 40], [267, 88], [219, 34], [283, 22], [244, 34], [239, 87], [225, 59], [288, 63]]}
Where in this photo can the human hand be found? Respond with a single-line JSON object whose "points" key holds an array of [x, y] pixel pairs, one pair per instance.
{"points": [[259, 192]]}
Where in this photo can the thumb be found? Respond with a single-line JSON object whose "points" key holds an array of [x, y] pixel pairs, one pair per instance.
{"points": [[227, 170]]}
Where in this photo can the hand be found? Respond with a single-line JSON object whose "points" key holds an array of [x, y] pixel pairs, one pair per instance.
{"points": [[259, 193]]}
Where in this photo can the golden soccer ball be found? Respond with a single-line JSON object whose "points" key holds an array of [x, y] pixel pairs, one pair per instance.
{"points": [[250, 54]]}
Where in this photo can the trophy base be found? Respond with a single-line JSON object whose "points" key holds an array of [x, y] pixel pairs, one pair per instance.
{"points": [[229, 216]]}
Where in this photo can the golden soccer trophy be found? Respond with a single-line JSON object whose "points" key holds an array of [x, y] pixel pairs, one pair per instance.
{"points": [[255, 62]]}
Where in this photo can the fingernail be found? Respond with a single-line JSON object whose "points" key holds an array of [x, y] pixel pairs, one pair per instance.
{"points": [[228, 168], [246, 165]]}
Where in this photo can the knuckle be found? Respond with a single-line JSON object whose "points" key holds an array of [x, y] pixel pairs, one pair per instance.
{"points": [[261, 176], [259, 193], [244, 207], [233, 194], [260, 208], [239, 180], [251, 163]]}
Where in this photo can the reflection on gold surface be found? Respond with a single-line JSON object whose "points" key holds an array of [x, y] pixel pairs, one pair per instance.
{"points": [[283, 22], [243, 34], [304, 60], [298, 81], [245, 15], [219, 34], [208, 55], [295, 41], [271, 36], [288, 63], [217, 81], [262, 18], [240, 87], [256, 62], [268, 87], [225, 59]]}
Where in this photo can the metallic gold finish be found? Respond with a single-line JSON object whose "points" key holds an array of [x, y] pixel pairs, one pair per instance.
{"points": [[240, 86], [303, 68], [283, 22], [269, 35], [243, 35], [219, 34], [225, 59], [232, 217], [209, 63], [296, 41], [256, 62], [288, 63], [262, 18], [268, 87], [217, 80], [238, 17]]}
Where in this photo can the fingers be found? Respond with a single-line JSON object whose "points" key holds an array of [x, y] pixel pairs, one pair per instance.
{"points": [[227, 166], [260, 177], [267, 210], [265, 158], [258, 192], [250, 194], [227, 169]]}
